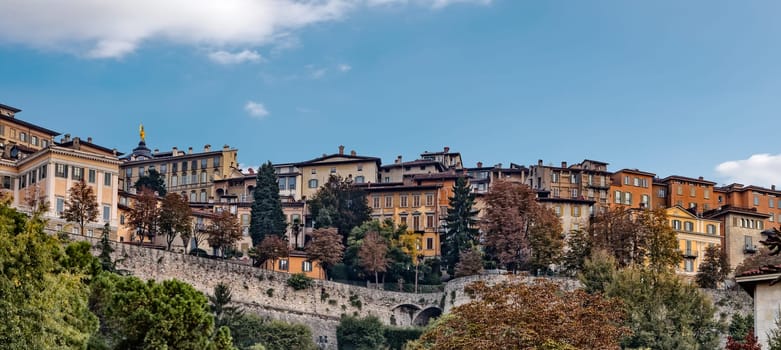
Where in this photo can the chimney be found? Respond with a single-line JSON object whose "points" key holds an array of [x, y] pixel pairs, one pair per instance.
{"points": [[447, 149], [539, 162], [352, 153], [114, 151], [324, 155], [341, 149], [773, 187], [156, 151], [563, 164], [89, 139], [175, 152], [479, 164], [76, 143], [226, 147], [189, 150], [700, 178], [251, 171], [67, 138], [398, 160], [207, 147]]}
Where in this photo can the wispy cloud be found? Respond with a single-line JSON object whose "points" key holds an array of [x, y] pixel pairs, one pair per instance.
{"points": [[226, 58], [256, 109], [344, 67], [759, 169], [106, 29]]}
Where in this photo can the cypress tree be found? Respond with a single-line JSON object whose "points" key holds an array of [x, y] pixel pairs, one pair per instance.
{"points": [[461, 223], [267, 217]]}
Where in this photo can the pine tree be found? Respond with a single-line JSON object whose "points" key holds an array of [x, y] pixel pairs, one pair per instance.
{"points": [[106, 250], [152, 181], [711, 270], [267, 217], [461, 224]]}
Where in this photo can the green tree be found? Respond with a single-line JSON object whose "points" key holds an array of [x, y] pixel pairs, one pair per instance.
{"points": [[739, 326], [714, 269], [43, 304], [339, 204], [139, 315], [81, 207], [661, 249], [267, 217], [175, 218], [461, 224], [398, 261], [250, 331], [773, 336], [105, 250], [664, 311], [360, 333], [225, 314], [223, 340], [579, 249], [153, 181], [598, 272]]}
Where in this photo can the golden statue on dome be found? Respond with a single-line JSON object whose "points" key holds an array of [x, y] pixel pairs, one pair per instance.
{"points": [[141, 132]]}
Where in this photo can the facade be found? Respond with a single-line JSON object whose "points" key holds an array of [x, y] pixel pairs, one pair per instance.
{"points": [[188, 173], [296, 262], [694, 234], [763, 200], [742, 230], [632, 189], [689, 192], [573, 213], [450, 160], [398, 170], [316, 172], [760, 284], [588, 180]]}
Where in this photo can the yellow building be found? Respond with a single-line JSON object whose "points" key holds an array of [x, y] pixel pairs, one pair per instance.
{"points": [[296, 262], [315, 172], [694, 233]]}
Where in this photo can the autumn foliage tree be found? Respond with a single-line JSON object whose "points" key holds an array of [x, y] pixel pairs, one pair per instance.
{"points": [[373, 254], [174, 218], [224, 231], [748, 343], [144, 215], [270, 249], [325, 247], [518, 231], [81, 206], [470, 263], [522, 315]]}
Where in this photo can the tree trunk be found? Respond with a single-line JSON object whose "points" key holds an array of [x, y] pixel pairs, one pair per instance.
{"points": [[376, 280]]}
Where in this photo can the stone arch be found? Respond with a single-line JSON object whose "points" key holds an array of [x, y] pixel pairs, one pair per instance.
{"points": [[404, 314], [423, 317], [220, 192]]}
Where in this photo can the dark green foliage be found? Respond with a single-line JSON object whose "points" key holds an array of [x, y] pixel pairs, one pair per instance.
{"points": [[220, 302], [223, 340], [740, 326], [714, 269], [79, 260], [152, 180], [267, 216], [273, 335], [579, 244], [360, 333], [105, 251], [136, 315], [338, 204], [397, 337], [299, 281], [598, 272], [461, 224], [773, 336]]}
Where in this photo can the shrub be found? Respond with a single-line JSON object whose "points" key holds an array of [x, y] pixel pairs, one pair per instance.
{"points": [[397, 337], [299, 281], [360, 333], [270, 292]]}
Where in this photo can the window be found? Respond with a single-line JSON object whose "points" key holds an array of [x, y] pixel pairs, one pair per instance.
{"points": [[429, 199], [387, 179], [184, 166], [174, 181], [282, 183], [194, 165], [203, 177], [644, 200], [34, 140], [676, 224], [106, 213], [360, 167], [688, 265], [429, 220], [306, 266], [575, 211], [403, 220], [679, 190], [557, 210], [637, 182], [706, 193], [626, 180], [573, 178], [574, 193], [22, 137], [688, 226], [756, 200], [61, 170], [194, 178], [216, 162], [291, 183], [42, 172], [711, 229], [44, 143], [106, 179], [204, 163], [692, 191], [556, 192], [314, 171], [627, 198], [590, 179], [359, 179], [313, 183], [122, 219], [388, 201], [91, 175], [429, 243], [163, 168], [416, 222], [770, 218], [90, 232], [662, 193], [555, 177], [770, 202], [283, 264], [203, 196], [416, 200], [60, 205], [78, 173], [749, 242], [33, 176], [174, 167], [333, 170], [193, 197], [375, 202], [7, 182], [617, 195]]}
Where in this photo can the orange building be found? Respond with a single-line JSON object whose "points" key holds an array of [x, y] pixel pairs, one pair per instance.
{"points": [[632, 188], [689, 193], [762, 200], [296, 262]]}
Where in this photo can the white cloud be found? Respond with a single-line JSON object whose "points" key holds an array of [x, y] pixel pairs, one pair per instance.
{"points": [[225, 57], [105, 29], [344, 67], [759, 169], [318, 73], [256, 109]]}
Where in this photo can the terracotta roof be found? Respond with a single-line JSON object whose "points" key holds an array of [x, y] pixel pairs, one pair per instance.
{"points": [[688, 179], [726, 209], [350, 158], [12, 109], [635, 171], [69, 144]]}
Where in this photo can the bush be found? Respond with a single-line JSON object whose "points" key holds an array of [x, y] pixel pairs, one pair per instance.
{"points": [[198, 252], [397, 337], [299, 281], [249, 331], [360, 333]]}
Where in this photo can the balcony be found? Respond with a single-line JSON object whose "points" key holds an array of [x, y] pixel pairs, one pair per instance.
{"points": [[749, 249], [689, 254]]}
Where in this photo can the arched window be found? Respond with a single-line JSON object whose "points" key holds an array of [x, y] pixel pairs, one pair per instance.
{"points": [[192, 196], [203, 196]]}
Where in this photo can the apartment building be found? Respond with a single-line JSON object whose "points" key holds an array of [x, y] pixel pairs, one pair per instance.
{"points": [[632, 189], [689, 192], [189, 173], [450, 160], [316, 172], [588, 180], [763, 200], [694, 233], [398, 170], [741, 229]]}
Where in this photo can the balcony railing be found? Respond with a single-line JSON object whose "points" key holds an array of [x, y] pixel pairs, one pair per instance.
{"points": [[750, 249], [689, 254]]}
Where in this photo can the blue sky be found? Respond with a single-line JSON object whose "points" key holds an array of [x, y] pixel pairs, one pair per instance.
{"points": [[687, 88]]}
